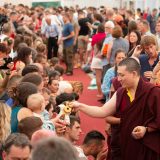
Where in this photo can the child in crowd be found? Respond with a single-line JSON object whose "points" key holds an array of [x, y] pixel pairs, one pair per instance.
{"points": [[50, 107], [50, 103], [41, 49], [40, 58], [53, 62], [46, 94], [60, 69], [77, 86], [54, 75], [36, 103]]}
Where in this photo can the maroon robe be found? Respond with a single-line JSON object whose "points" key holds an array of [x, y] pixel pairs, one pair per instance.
{"points": [[143, 111], [115, 151]]}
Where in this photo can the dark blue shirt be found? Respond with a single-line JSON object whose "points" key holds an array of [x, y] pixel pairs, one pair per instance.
{"points": [[144, 62], [152, 22], [67, 29]]}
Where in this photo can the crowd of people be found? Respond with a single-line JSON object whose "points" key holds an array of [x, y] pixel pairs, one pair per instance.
{"points": [[39, 109]]}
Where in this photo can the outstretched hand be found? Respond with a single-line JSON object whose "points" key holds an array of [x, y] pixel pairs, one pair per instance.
{"points": [[75, 105]]}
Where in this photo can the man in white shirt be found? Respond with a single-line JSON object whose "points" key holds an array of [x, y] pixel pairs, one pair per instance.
{"points": [[54, 20]]}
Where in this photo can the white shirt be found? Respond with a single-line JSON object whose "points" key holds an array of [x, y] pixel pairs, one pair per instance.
{"points": [[2, 37], [81, 154], [54, 20]]}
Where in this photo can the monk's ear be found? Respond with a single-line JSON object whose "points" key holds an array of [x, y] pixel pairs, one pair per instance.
{"points": [[135, 74]]}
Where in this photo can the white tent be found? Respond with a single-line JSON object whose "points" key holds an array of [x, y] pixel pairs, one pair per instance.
{"points": [[95, 3], [147, 4], [143, 4], [81, 3]]}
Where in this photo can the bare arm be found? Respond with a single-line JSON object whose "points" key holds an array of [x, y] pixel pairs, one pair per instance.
{"points": [[76, 33], [112, 120], [70, 36], [109, 108]]}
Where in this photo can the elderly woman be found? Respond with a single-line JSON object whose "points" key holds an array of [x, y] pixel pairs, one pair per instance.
{"points": [[117, 43]]}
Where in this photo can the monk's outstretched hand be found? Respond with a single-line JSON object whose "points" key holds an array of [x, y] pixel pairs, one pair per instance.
{"points": [[75, 104], [139, 132]]}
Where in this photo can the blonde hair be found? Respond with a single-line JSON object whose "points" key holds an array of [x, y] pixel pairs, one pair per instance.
{"points": [[35, 101], [77, 86], [5, 118]]}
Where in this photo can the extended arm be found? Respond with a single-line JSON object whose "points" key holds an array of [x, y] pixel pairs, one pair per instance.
{"points": [[112, 120], [109, 108]]}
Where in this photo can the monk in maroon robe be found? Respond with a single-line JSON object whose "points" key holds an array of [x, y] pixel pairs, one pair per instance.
{"points": [[138, 105], [142, 111]]}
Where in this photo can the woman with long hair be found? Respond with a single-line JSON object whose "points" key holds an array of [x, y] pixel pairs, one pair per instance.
{"points": [[134, 38], [117, 43], [5, 124], [5, 117], [24, 57]]}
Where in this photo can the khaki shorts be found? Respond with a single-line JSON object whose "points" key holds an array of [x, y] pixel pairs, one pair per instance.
{"points": [[82, 42]]}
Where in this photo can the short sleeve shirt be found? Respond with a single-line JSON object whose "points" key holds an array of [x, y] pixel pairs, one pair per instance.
{"points": [[67, 29]]}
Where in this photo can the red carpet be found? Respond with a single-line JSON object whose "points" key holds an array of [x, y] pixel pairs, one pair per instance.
{"points": [[88, 97]]}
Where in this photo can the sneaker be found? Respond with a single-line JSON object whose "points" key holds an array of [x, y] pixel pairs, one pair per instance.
{"points": [[92, 87]]}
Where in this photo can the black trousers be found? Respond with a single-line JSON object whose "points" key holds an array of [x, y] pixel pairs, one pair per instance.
{"points": [[52, 47]]}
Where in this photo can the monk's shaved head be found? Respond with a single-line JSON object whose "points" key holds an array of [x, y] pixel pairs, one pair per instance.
{"points": [[131, 65]]}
